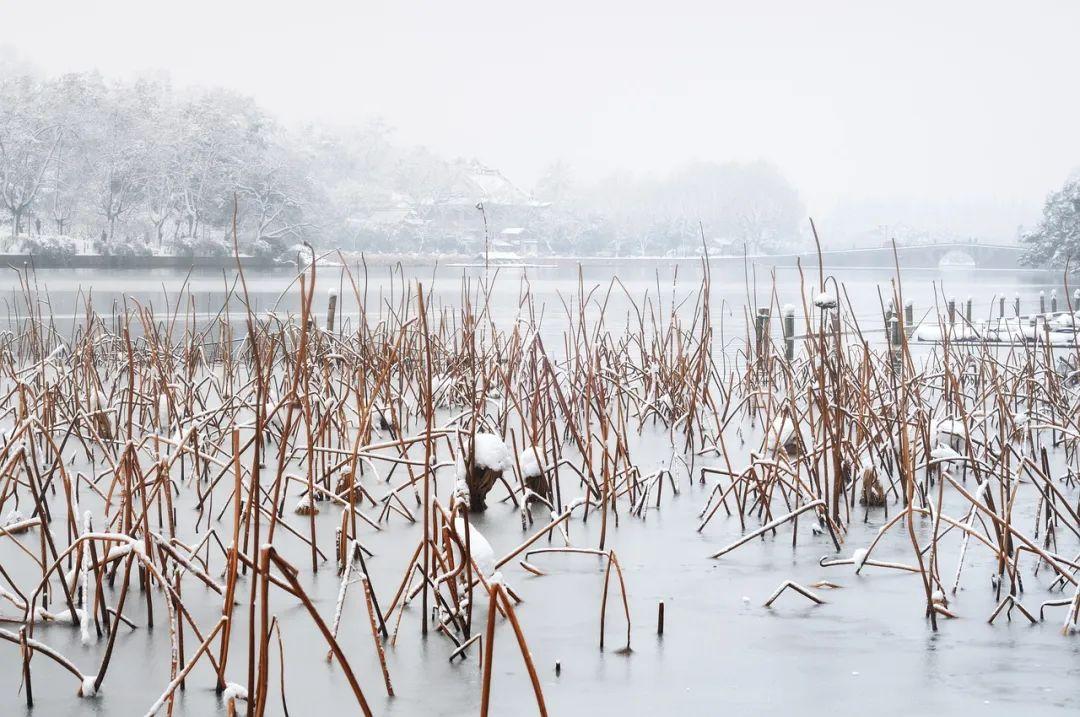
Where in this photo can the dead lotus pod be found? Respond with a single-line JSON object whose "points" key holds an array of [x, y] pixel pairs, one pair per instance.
{"points": [[873, 494], [490, 457]]}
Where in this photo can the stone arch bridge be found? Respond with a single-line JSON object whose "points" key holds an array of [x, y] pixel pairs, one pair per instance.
{"points": [[922, 256]]}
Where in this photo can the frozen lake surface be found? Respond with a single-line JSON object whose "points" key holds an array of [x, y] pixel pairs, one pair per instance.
{"points": [[867, 650]]}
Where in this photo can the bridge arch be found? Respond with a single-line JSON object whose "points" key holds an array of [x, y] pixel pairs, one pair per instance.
{"points": [[956, 258]]}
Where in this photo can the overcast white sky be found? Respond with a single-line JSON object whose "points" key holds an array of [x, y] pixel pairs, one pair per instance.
{"points": [[942, 100]]}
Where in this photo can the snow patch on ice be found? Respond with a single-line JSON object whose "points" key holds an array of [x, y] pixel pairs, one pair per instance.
{"points": [[530, 465], [234, 691], [489, 451], [87, 688], [482, 553]]}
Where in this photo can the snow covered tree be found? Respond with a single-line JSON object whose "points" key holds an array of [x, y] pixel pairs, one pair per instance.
{"points": [[29, 144], [1057, 238], [215, 132], [275, 190], [74, 104], [128, 129]]}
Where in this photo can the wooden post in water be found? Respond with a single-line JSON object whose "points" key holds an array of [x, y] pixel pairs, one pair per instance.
{"points": [[1053, 301], [895, 342], [952, 311], [1042, 302], [761, 333], [909, 316], [890, 317], [968, 312], [1016, 304], [1001, 307], [789, 332], [331, 309]]}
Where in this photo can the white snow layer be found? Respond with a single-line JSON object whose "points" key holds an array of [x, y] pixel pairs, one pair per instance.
{"points": [[489, 451]]}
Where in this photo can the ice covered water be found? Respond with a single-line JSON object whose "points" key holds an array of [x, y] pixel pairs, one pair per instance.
{"points": [[869, 646]]}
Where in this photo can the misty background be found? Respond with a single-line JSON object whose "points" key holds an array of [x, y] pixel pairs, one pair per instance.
{"points": [[616, 128]]}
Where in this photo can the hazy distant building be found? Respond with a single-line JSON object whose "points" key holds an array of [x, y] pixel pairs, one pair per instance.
{"points": [[449, 215], [516, 241], [506, 207]]}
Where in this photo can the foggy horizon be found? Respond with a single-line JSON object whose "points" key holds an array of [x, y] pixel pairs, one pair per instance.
{"points": [[965, 105]]}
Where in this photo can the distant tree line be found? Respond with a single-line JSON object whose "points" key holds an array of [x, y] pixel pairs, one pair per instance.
{"points": [[732, 206], [139, 166]]}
